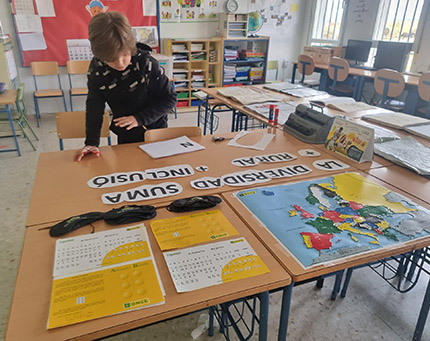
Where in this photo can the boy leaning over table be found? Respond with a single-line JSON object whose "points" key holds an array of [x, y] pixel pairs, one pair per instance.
{"points": [[124, 75]]}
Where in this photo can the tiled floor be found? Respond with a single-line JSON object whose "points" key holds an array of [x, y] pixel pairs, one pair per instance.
{"points": [[372, 310]]}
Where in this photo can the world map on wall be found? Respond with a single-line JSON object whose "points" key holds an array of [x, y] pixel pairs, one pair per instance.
{"points": [[327, 219]]}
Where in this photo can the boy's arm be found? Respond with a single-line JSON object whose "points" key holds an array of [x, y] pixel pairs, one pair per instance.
{"points": [[162, 96]]}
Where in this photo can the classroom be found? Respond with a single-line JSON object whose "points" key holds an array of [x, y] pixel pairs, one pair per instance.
{"points": [[254, 170]]}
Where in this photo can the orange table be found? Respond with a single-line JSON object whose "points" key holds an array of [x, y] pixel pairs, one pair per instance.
{"points": [[31, 299]]}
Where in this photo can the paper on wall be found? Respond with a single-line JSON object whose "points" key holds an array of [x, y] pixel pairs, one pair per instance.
{"points": [[32, 41], [28, 23], [45, 8]]}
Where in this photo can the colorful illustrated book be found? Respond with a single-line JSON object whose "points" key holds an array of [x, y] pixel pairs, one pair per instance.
{"points": [[351, 139]]}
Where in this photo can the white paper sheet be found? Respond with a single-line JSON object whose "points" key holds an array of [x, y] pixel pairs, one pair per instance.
{"points": [[149, 7], [211, 264], [32, 41], [28, 23], [45, 8], [24, 7], [260, 145], [406, 152], [180, 145]]}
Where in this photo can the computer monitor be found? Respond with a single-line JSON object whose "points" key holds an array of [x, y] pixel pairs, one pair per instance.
{"points": [[392, 55], [358, 50]]}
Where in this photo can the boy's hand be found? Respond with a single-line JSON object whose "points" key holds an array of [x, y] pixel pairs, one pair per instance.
{"points": [[129, 122], [84, 151]]}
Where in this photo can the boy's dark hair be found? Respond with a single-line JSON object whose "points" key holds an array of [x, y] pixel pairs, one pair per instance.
{"points": [[110, 35]]}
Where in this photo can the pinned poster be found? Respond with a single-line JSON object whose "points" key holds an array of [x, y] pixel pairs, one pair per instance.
{"points": [[351, 139]]}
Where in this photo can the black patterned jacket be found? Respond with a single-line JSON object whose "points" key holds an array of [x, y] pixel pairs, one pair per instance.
{"points": [[141, 90]]}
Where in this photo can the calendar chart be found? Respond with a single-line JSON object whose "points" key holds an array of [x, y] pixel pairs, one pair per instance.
{"points": [[211, 264], [101, 274]]}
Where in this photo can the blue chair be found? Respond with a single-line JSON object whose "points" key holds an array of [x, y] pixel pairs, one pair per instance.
{"points": [[389, 84], [45, 69], [424, 93], [338, 71]]}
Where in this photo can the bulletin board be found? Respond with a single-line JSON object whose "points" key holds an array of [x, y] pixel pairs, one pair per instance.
{"points": [[57, 30]]}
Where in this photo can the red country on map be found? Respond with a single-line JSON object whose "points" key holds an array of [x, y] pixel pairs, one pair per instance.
{"points": [[305, 214], [319, 241]]}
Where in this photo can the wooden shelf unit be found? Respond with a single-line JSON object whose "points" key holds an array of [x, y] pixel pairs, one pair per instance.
{"points": [[252, 54], [194, 66]]}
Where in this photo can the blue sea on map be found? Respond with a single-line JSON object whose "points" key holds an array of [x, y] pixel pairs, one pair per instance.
{"points": [[271, 205]]}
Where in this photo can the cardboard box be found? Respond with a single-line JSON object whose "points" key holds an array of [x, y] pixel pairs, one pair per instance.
{"points": [[321, 55]]}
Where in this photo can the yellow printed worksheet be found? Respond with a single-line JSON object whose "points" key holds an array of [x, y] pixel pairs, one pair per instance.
{"points": [[103, 273], [173, 233], [211, 264]]}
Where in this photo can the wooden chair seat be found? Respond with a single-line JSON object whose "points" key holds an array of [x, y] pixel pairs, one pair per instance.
{"points": [[311, 82], [48, 93], [79, 91], [344, 88]]}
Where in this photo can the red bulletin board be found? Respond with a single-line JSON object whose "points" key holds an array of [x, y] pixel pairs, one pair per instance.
{"points": [[71, 22]]}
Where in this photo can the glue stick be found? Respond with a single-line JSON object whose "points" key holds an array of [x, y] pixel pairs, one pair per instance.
{"points": [[271, 112], [275, 119]]}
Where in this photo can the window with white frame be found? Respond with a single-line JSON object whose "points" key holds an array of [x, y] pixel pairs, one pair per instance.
{"points": [[327, 22], [398, 20]]}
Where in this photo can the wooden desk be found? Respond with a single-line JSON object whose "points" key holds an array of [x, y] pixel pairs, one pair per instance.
{"points": [[300, 273], [61, 191], [213, 92], [405, 180], [375, 163], [31, 299], [411, 82], [7, 99]]}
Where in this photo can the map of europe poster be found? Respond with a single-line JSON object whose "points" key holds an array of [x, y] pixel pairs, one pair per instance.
{"points": [[322, 220]]}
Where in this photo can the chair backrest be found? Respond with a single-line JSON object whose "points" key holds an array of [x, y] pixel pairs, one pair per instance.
{"points": [[305, 64], [20, 99], [44, 68], [338, 69], [78, 67], [389, 83], [273, 65], [71, 125], [424, 87], [154, 135]]}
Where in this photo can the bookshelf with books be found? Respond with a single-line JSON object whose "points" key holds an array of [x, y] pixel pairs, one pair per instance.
{"points": [[244, 61], [196, 64]]}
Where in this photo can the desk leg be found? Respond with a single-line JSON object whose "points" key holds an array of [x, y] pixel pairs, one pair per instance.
{"points": [[323, 81], [411, 100], [285, 311], [206, 115], [423, 315], [358, 89], [9, 115], [264, 316], [293, 75]]}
